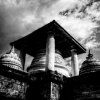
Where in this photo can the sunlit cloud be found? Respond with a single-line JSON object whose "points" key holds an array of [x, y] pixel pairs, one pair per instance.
{"points": [[92, 44], [83, 20]]}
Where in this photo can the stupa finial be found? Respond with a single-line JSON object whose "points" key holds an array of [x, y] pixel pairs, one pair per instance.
{"points": [[12, 49], [90, 55]]}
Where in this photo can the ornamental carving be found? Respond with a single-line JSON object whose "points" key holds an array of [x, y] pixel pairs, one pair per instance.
{"points": [[12, 88]]}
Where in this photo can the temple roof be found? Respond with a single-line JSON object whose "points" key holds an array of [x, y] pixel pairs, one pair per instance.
{"points": [[35, 41]]}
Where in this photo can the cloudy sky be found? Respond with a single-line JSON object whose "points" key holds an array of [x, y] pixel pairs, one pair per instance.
{"points": [[81, 18]]}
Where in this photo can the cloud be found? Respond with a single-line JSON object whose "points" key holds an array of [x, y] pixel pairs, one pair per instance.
{"points": [[83, 20]]}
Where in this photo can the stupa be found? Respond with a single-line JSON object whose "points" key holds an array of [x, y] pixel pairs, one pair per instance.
{"points": [[11, 59], [90, 65], [39, 63]]}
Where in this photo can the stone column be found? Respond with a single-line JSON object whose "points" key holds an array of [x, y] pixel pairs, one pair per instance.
{"points": [[50, 52], [22, 57], [74, 62]]}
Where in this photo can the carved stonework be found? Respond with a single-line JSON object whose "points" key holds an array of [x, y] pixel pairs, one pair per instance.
{"points": [[50, 91], [12, 88], [55, 89]]}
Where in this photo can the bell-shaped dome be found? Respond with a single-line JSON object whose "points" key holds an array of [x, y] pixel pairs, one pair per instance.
{"points": [[11, 59], [39, 63], [90, 65]]}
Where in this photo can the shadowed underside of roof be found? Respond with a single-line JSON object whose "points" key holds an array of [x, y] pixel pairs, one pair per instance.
{"points": [[35, 41]]}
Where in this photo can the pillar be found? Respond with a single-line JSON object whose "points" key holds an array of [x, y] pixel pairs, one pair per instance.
{"points": [[74, 62], [50, 52], [22, 56]]}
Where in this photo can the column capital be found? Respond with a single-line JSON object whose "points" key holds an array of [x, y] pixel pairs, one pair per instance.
{"points": [[73, 50], [51, 33]]}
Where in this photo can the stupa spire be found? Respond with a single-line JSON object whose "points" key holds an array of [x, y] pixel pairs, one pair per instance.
{"points": [[90, 55], [12, 50]]}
